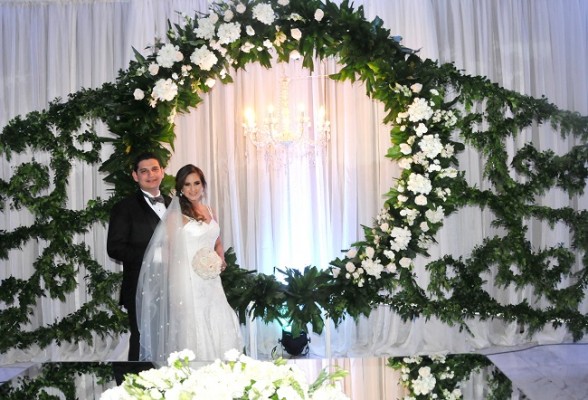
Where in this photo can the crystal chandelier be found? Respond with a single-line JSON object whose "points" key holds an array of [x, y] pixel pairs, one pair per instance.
{"points": [[278, 133]]}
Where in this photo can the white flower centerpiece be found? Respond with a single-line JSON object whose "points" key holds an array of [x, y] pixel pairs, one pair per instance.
{"points": [[238, 377]]}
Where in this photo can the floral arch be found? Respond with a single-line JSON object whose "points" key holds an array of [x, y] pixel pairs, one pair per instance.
{"points": [[433, 111]]}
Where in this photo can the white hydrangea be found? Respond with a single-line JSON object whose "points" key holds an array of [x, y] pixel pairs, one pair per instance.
{"points": [[401, 238], [421, 129], [425, 383], [206, 27], [204, 58], [165, 89], [419, 110], [435, 216], [168, 55], [372, 267], [229, 32], [431, 145], [448, 151], [410, 214], [264, 13], [418, 183]]}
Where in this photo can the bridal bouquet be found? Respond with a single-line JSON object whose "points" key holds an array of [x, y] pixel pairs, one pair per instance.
{"points": [[238, 377], [207, 263]]}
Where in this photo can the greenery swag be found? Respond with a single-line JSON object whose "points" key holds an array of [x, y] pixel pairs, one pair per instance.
{"points": [[433, 111]]}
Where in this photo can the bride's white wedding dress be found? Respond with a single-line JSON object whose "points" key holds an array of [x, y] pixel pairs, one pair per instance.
{"points": [[214, 328], [177, 309]]}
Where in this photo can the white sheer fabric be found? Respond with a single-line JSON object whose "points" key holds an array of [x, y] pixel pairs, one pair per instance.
{"points": [[302, 212]]}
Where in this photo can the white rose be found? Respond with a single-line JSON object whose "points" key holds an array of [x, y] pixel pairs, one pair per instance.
{"points": [[350, 267], [246, 47], [296, 34], [405, 148], [139, 94], [319, 14], [210, 82], [420, 200], [240, 8], [228, 16], [405, 262], [416, 88], [424, 226], [295, 55], [153, 68], [249, 30]]}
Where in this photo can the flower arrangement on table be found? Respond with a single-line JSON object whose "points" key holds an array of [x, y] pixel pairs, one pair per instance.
{"points": [[436, 376], [238, 377]]}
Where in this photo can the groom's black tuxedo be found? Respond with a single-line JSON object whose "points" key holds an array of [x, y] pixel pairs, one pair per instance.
{"points": [[132, 223]]}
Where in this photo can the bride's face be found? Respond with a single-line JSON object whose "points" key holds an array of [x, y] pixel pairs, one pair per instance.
{"points": [[192, 188]]}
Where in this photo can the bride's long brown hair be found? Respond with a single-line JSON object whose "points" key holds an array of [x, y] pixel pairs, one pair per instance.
{"points": [[181, 177]]}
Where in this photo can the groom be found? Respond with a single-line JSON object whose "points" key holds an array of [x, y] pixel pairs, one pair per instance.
{"points": [[132, 223]]}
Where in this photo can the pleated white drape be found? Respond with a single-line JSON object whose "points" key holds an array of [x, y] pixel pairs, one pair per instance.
{"points": [[300, 212]]}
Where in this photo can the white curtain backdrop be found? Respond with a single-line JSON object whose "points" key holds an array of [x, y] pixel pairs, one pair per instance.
{"points": [[298, 213]]}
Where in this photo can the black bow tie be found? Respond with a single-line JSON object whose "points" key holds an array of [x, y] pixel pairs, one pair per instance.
{"points": [[156, 199]]}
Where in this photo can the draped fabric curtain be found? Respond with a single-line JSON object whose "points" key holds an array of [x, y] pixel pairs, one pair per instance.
{"points": [[299, 211]]}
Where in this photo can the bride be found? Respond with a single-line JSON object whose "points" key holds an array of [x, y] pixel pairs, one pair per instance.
{"points": [[180, 299]]}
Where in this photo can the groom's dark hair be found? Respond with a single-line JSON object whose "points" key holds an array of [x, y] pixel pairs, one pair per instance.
{"points": [[148, 155]]}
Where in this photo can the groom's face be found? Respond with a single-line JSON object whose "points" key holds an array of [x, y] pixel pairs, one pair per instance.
{"points": [[149, 175]]}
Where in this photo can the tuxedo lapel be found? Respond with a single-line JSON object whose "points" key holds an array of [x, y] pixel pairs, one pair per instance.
{"points": [[150, 214]]}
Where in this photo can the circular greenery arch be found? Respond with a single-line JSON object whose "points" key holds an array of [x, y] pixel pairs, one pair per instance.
{"points": [[428, 107]]}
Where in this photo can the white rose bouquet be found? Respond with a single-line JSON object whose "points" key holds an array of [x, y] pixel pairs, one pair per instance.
{"points": [[207, 263]]}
